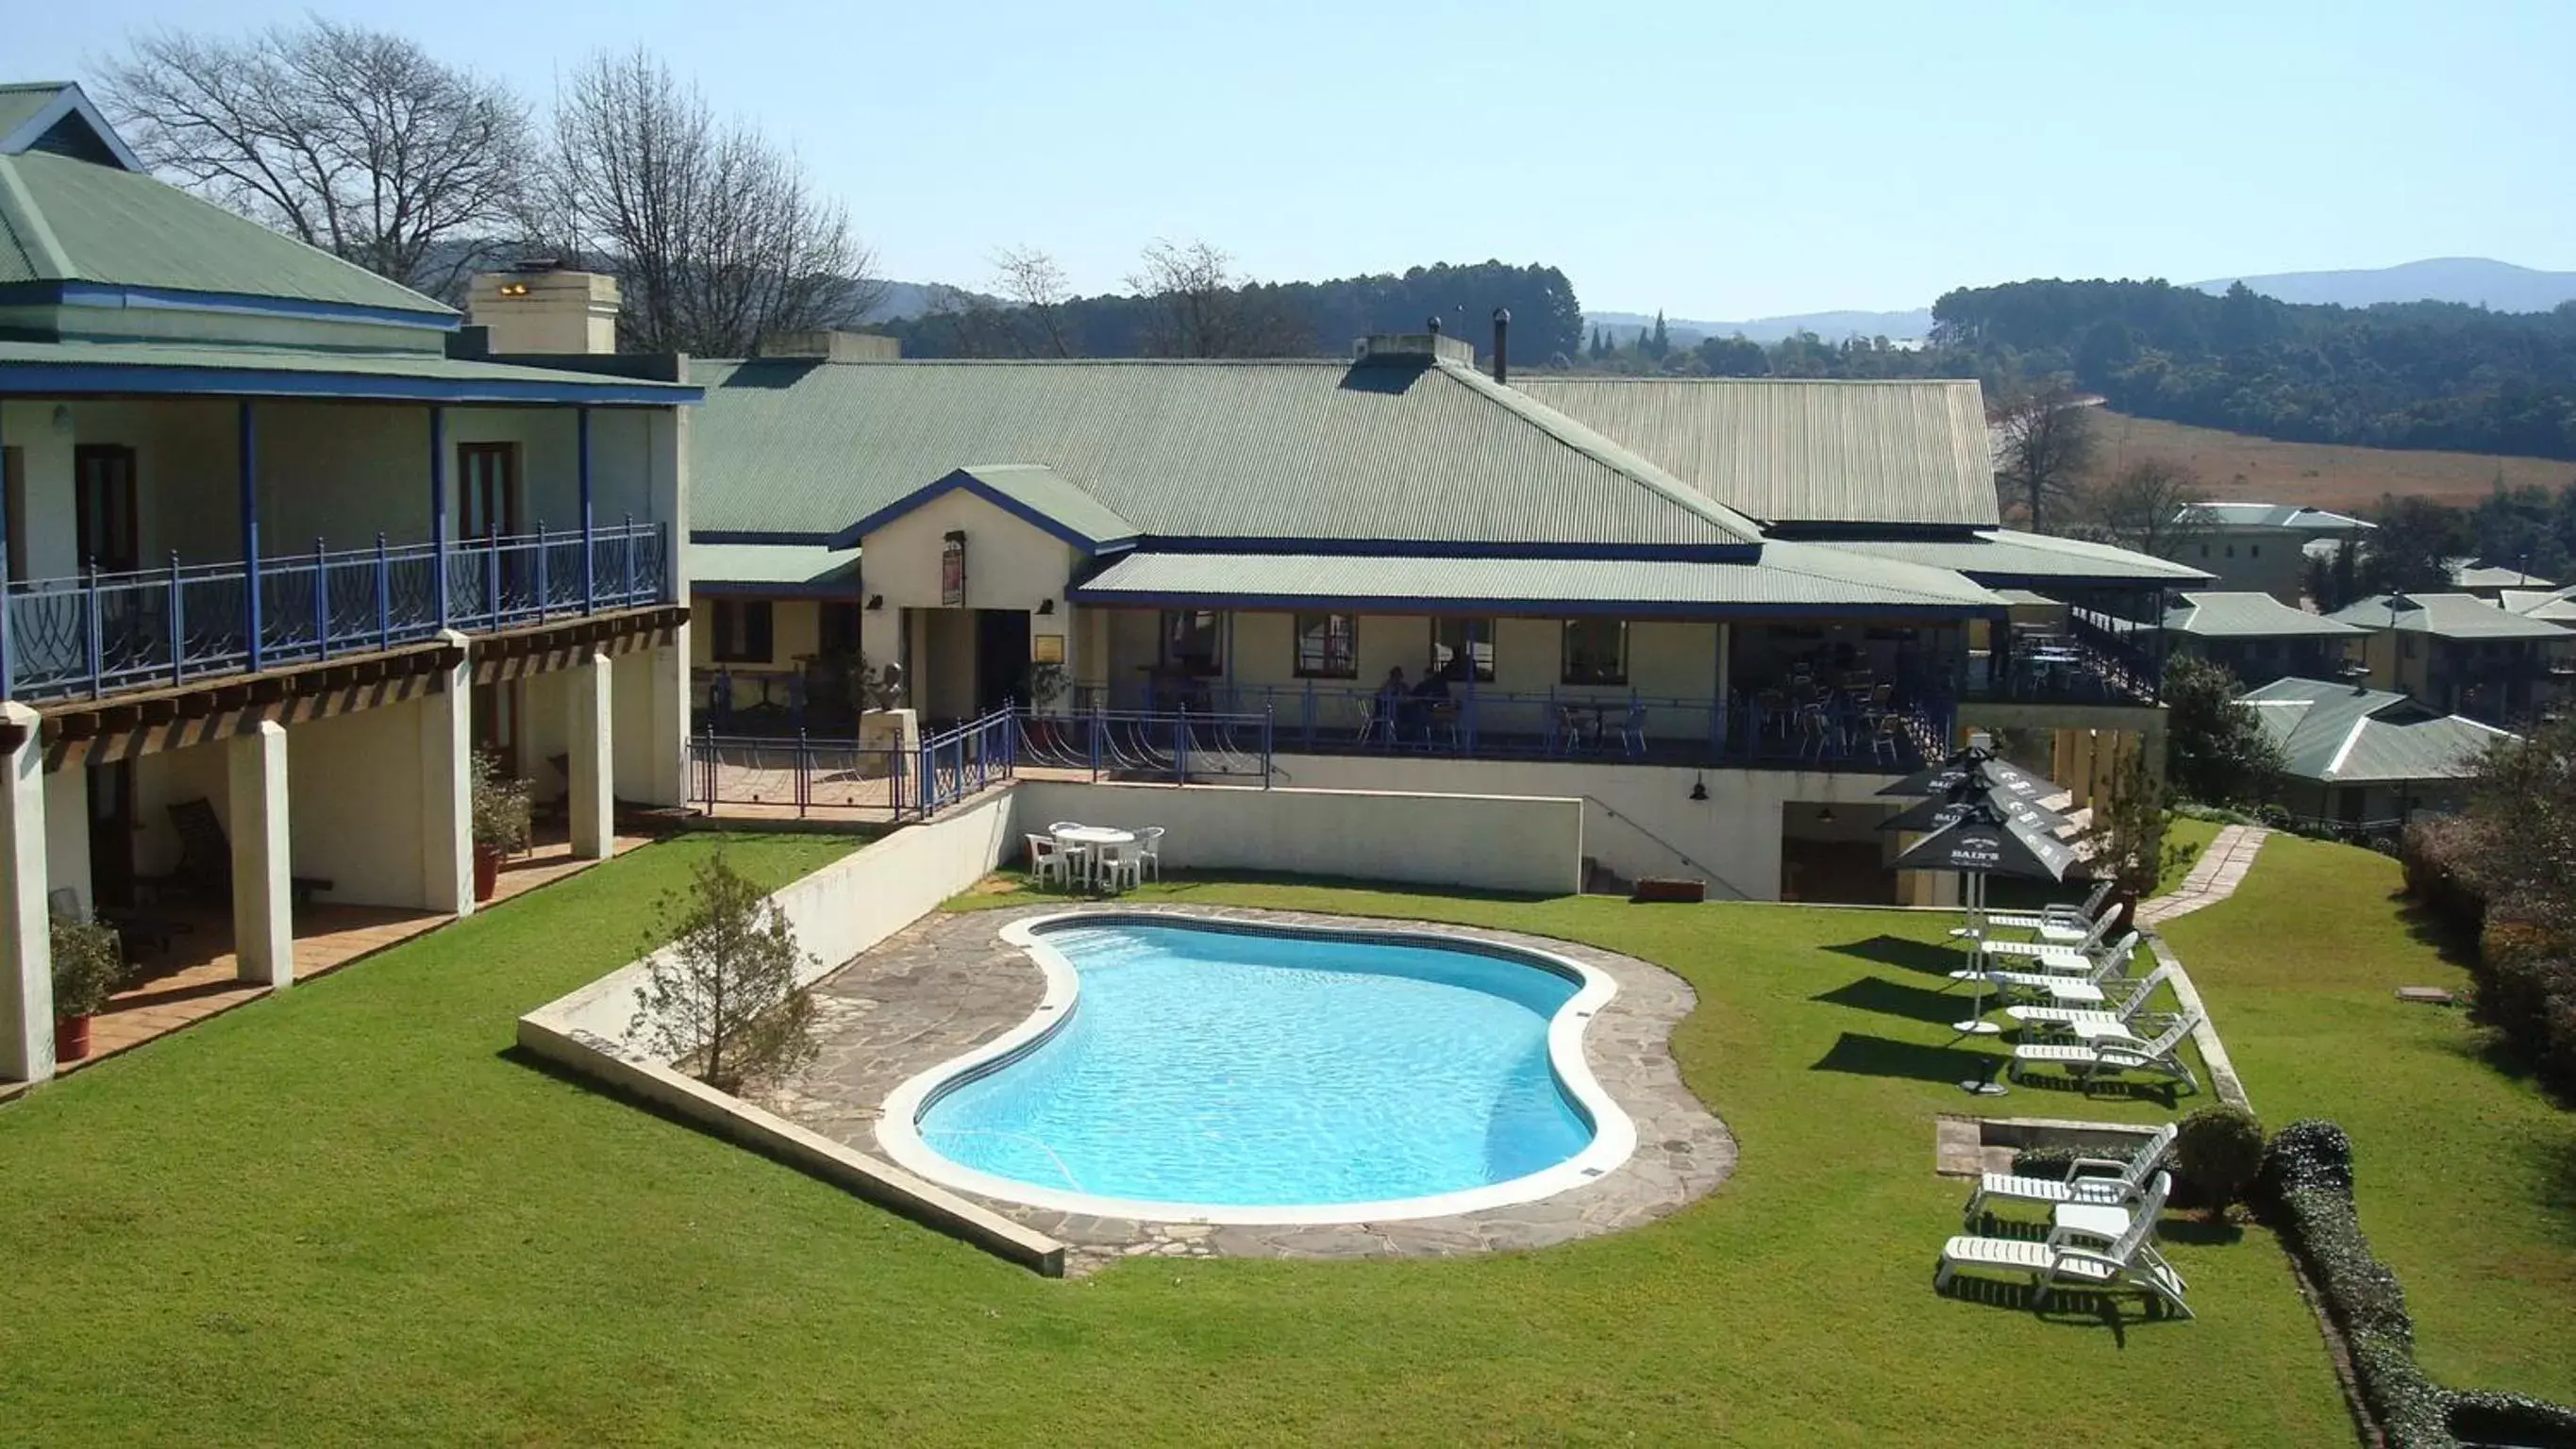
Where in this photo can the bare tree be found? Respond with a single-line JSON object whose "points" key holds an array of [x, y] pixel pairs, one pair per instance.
{"points": [[716, 235], [2148, 506], [1030, 280], [1202, 308], [353, 140], [2043, 443]]}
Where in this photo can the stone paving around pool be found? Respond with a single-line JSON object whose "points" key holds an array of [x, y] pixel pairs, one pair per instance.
{"points": [[949, 983]]}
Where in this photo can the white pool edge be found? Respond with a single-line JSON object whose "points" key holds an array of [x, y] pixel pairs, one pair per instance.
{"points": [[1614, 1134]]}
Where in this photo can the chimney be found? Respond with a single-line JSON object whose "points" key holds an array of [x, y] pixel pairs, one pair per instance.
{"points": [[827, 345], [538, 307], [1502, 340], [1412, 349]]}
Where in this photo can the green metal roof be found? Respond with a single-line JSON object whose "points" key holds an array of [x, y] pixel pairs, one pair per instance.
{"points": [[2446, 616], [23, 101], [1803, 451], [1791, 578], [1996, 555], [2337, 735], [787, 565], [2297, 518], [1032, 490], [1273, 451], [2486, 576], [2229, 615], [262, 371], [68, 220]]}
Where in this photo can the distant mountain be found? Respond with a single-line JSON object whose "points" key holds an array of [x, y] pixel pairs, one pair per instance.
{"points": [[1831, 326], [911, 299], [2477, 281]]}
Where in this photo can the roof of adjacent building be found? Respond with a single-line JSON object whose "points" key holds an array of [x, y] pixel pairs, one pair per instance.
{"points": [[127, 368], [2297, 517], [2008, 556], [1291, 451], [1791, 577], [87, 218], [2556, 605], [2469, 574], [1798, 450], [2445, 616], [2233, 615], [770, 567], [1031, 490], [2336, 734]]}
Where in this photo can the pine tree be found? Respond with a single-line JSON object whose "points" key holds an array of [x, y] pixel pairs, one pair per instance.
{"points": [[1663, 342]]}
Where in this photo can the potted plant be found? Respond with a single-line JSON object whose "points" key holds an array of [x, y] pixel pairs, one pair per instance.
{"points": [[502, 812], [1047, 683], [88, 964]]}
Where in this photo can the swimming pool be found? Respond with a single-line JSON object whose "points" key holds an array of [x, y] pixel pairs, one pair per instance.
{"points": [[1184, 1068]]}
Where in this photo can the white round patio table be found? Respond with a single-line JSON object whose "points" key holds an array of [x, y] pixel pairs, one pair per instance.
{"points": [[1088, 839]]}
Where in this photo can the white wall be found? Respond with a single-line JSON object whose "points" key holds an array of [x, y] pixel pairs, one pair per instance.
{"points": [[67, 833], [354, 794], [1639, 820], [167, 777], [1010, 564], [1466, 842]]}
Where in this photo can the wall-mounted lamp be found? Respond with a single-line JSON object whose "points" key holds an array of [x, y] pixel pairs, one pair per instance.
{"points": [[1046, 606], [875, 602], [62, 420], [512, 289], [1825, 815], [1699, 787]]}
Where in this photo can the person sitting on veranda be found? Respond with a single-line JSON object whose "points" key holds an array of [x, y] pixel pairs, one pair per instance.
{"points": [[1428, 697], [1389, 704]]}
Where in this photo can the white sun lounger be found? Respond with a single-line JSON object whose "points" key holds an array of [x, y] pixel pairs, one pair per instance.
{"points": [[2091, 1021], [2087, 1180], [2060, 1258], [2067, 935], [2114, 1054], [2073, 921], [2059, 958], [2090, 989]]}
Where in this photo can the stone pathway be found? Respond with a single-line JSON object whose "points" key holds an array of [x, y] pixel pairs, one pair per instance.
{"points": [[948, 983], [2213, 877]]}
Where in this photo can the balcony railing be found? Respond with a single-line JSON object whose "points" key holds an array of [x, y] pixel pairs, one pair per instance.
{"points": [[1844, 731], [106, 632]]}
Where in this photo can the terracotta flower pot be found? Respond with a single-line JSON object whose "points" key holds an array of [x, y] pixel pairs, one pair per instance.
{"points": [[71, 1038], [487, 872]]}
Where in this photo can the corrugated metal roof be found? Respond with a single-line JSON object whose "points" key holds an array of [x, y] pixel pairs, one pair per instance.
{"points": [[20, 102], [1043, 491], [2229, 615], [2296, 517], [70, 220], [2483, 576], [2335, 734], [769, 563], [1790, 577], [1799, 450], [1200, 449], [1994, 555], [2447, 616], [500, 381]]}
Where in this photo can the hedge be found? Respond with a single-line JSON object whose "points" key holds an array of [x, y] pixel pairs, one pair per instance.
{"points": [[2306, 1189]]}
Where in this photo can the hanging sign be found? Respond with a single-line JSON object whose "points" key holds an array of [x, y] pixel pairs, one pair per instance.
{"points": [[952, 570]]}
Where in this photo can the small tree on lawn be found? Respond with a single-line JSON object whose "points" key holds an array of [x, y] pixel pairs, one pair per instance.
{"points": [[725, 989], [2216, 747], [2128, 831]]}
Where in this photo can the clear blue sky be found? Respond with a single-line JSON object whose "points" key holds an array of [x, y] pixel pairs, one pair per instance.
{"points": [[1718, 160]]}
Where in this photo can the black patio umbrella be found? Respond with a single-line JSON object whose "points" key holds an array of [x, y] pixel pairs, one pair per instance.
{"points": [[1989, 839], [1939, 813], [1973, 765]]}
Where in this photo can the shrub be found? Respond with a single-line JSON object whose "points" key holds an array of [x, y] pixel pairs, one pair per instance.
{"points": [[2435, 855], [2052, 1161], [503, 811], [2486, 1417], [2526, 989], [88, 964], [724, 991], [2219, 1150]]}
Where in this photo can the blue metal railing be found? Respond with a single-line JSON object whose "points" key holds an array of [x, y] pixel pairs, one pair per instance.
{"points": [[1843, 729], [102, 633], [1172, 745], [959, 762], [799, 773]]}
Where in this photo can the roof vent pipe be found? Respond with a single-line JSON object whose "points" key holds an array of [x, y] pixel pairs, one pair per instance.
{"points": [[1502, 335], [1434, 324]]}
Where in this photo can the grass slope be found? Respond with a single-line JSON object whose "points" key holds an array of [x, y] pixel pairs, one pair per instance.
{"points": [[350, 1215], [2327, 475], [2467, 1173]]}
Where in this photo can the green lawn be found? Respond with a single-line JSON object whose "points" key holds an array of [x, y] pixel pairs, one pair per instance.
{"points": [[351, 1215], [2467, 1174], [2182, 830]]}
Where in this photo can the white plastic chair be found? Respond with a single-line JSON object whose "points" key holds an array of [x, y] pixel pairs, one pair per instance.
{"points": [[2128, 1261], [1632, 730], [1149, 845], [2087, 1179], [1120, 865], [1049, 860]]}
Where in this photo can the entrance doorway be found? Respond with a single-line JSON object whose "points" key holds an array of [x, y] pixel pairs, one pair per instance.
{"points": [[1001, 657], [111, 835]]}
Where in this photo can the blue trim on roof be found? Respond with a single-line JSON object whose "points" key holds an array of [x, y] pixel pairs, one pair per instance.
{"points": [[960, 479], [110, 296], [846, 589], [71, 100], [1519, 608], [1426, 548], [110, 379], [753, 535]]}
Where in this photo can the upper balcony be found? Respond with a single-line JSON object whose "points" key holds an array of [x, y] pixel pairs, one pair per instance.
{"points": [[105, 633]]}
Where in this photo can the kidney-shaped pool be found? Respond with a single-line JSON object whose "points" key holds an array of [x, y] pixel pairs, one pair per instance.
{"points": [[1186, 1068]]}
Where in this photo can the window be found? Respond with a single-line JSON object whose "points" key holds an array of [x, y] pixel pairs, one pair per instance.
{"points": [[1324, 647], [1596, 651], [1473, 638], [1190, 642], [104, 522], [2204, 550], [2231, 550], [837, 632], [740, 631], [2253, 550]]}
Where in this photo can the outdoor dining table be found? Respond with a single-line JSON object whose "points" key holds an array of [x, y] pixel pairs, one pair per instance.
{"points": [[1088, 839]]}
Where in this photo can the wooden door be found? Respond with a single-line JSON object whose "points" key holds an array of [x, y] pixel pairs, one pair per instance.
{"points": [[107, 526], [491, 498]]}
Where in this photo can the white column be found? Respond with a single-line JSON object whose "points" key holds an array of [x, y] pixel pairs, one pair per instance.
{"points": [[666, 783], [446, 785], [27, 996], [263, 918], [594, 762]]}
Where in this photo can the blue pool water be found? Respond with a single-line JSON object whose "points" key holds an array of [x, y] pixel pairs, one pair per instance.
{"points": [[1225, 1068]]}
